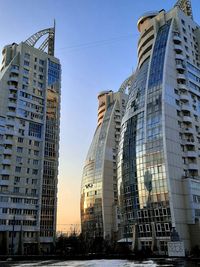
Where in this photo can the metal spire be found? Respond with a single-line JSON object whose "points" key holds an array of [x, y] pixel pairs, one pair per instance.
{"points": [[48, 42], [185, 6]]}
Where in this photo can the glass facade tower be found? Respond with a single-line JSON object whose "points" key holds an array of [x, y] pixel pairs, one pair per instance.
{"points": [[158, 161], [99, 181], [29, 137]]}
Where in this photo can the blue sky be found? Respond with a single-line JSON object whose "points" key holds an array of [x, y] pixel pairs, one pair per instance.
{"points": [[96, 42]]}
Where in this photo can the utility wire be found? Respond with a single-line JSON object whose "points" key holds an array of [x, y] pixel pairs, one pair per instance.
{"points": [[98, 43]]}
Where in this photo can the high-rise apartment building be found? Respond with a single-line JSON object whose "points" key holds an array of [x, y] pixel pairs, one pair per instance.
{"points": [[99, 182], [29, 139], [159, 151]]}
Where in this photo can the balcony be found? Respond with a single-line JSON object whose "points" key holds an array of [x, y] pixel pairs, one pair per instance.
{"points": [[8, 142], [184, 97], [13, 87], [6, 161], [179, 56], [12, 104], [13, 78], [7, 151], [178, 48], [12, 96], [4, 182], [185, 107], [193, 166], [191, 154], [188, 141], [14, 69], [177, 38], [5, 172], [180, 66], [187, 130], [187, 119], [10, 123], [11, 113], [10, 131], [181, 76], [182, 86]]}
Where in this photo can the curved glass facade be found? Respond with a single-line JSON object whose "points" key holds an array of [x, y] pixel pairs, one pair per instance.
{"points": [[142, 182], [98, 189]]}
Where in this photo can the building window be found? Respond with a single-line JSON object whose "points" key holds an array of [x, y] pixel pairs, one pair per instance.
{"points": [[35, 162], [26, 72], [26, 63], [141, 228], [5, 177], [35, 172], [147, 226], [41, 69], [41, 62], [3, 188], [24, 87], [167, 228], [4, 210], [158, 227], [19, 159], [17, 179], [27, 56], [19, 149], [18, 169], [35, 129], [36, 152], [16, 189], [25, 80], [36, 143]]}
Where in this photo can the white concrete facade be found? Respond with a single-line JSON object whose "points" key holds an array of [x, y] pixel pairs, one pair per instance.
{"points": [[29, 104]]}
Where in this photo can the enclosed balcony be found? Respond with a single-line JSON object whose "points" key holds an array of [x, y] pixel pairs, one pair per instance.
{"points": [[12, 96], [13, 78], [180, 65], [182, 86], [14, 69], [8, 142], [187, 118], [181, 77], [184, 96], [179, 56], [12, 104], [7, 151], [185, 107], [193, 166], [13, 87], [9, 132], [6, 161], [178, 48], [5, 171], [11, 113], [191, 154], [188, 141], [177, 38], [10, 123], [188, 130]]}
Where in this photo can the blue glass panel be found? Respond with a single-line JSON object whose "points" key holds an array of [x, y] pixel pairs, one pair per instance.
{"points": [[157, 63]]}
